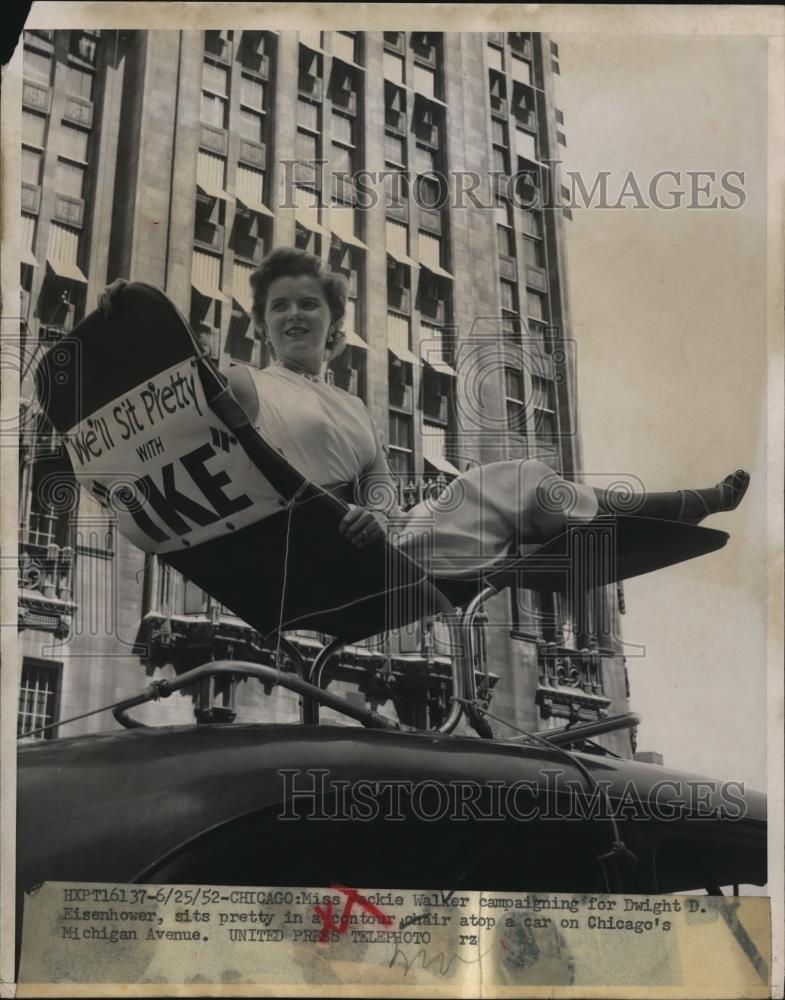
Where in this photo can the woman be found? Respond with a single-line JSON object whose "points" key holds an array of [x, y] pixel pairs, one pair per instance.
{"points": [[329, 436]]}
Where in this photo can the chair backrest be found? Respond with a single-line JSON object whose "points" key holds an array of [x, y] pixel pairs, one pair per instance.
{"points": [[138, 405]]}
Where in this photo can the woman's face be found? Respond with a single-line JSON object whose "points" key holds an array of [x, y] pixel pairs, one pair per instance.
{"points": [[297, 318]]}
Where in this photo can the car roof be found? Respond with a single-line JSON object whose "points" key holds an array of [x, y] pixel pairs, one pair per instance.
{"points": [[149, 790]]}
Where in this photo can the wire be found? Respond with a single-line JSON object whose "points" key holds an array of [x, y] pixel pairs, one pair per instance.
{"points": [[618, 847]]}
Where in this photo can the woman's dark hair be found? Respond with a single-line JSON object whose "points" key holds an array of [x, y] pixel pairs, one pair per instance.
{"points": [[290, 262]]}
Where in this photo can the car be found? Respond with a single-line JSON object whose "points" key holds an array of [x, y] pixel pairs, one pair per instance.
{"points": [[298, 805]]}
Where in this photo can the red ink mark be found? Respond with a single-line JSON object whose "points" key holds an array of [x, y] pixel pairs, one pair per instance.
{"points": [[503, 944], [327, 916]]}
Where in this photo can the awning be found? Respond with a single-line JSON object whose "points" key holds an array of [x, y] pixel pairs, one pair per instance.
{"points": [[208, 292], [211, 191], [439, 364], [355, 340], [304, 218], [28, 257], [350, 238], [438, 271], [254, 206], [65, 269], [403, 354], [401, 257], [441, 465]]}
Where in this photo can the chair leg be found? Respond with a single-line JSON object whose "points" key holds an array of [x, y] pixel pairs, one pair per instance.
{"points": [[309, 709]]}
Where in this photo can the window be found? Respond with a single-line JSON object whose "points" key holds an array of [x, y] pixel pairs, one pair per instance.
{"points": [[532, 223], [398, 336], [501, 160], [397, 238], [37, 65], [521, 71], [309, 80], [400, 455], [342, 159], [424, 46], [495, 58], [516, 410], [308, 115], [510, 318], [250, 185], [33, 128], [533, 252], [252, 92], [313, 39], [345, 45], [83, 45], [215, 84], [342, 217], [536, 306], [307, 170], [28, 234], [399, 298], [394, 107], [39, 691], [424, 80], [343, 88], [525, 145], [215, 78], [69, 178], [343, 129], [250, 125], [509, 297], [307, 146], [306, 201], [49, 518], [435, 407], [523, 105], [394, 150], [534, 613], [504, 229], [426, 123], [392, 68], [210, 171], [395, 195], [218, 43], [31, 166], [394, 40], [241, 285], [206, 271], [73, 142], [431, 251], [545, 425], [79, 82], [498, 94], [63, 243], [520, 43], [429, 180]]}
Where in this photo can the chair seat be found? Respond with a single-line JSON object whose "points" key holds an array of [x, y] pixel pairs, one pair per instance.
{"points": [[293, 568]]}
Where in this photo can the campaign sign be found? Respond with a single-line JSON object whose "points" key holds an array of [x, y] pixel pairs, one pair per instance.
{"points": [[171, 471]]}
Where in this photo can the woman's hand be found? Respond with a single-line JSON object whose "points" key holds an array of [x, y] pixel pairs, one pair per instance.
{"points": [[363, 527], [107, 300]]}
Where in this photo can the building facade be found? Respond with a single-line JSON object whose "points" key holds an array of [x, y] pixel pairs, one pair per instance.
{"points": [[421, 165]]}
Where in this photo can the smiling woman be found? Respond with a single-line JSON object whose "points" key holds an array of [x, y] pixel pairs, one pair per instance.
{"points": [[328, 435]]}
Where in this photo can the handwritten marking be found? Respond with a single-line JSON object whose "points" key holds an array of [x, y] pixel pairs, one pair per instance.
{"points": [[445, 964], [352, 896]]}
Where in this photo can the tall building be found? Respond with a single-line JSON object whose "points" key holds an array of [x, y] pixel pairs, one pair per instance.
{"points": [[422, 166]]}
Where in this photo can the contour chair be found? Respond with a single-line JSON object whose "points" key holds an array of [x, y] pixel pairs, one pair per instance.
{"points": [[185, 485]]}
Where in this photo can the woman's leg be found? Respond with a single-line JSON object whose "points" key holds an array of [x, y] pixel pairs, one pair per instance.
{"points": [[678, 505]]}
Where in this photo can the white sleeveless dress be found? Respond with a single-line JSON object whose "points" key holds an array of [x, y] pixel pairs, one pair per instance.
{"points": [[328, 435]]}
